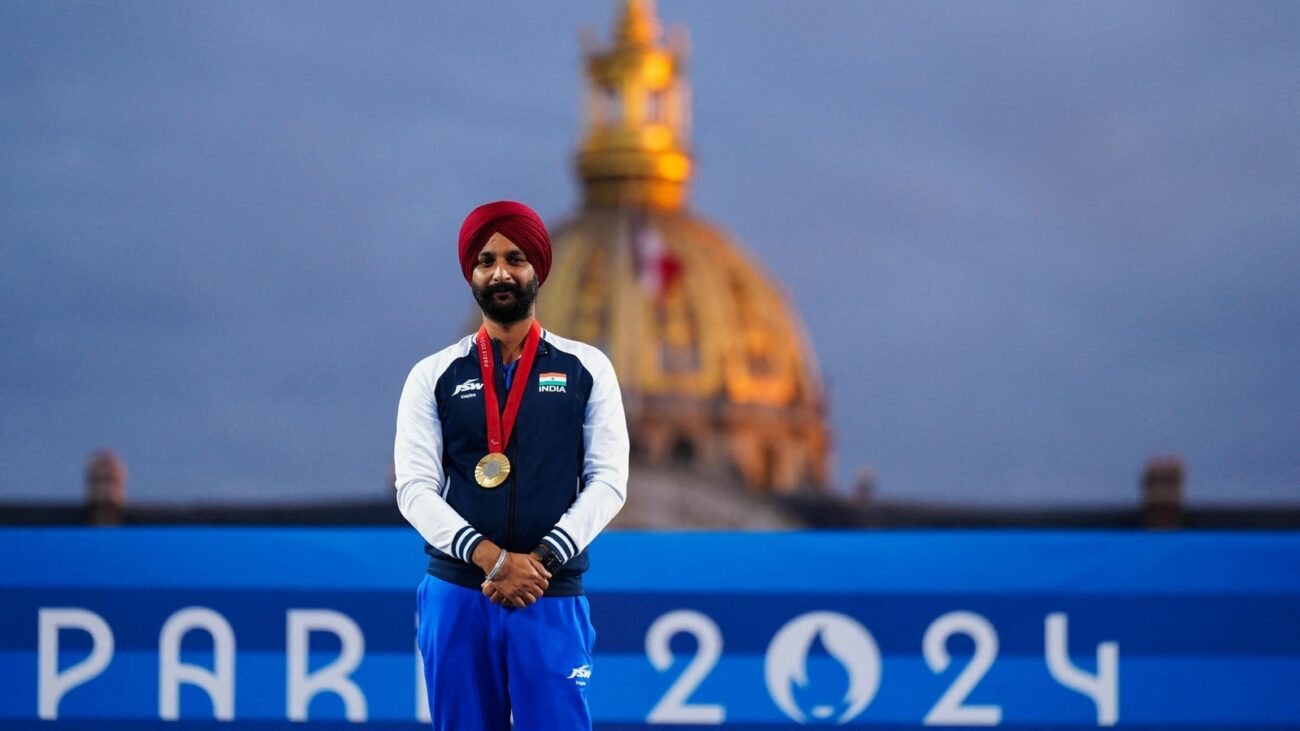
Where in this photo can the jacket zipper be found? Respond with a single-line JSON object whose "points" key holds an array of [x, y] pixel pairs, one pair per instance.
{"points": [[510, 515], [512, 479], [514, 466]]}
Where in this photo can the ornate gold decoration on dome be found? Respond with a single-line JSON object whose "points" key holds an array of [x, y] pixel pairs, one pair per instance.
{"points": [[634, 152]]}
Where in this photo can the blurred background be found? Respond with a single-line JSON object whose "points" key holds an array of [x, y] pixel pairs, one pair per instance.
{"points": [[857, 264]]}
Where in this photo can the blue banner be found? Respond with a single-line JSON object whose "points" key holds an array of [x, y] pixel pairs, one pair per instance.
{"points": [[128, 628]]}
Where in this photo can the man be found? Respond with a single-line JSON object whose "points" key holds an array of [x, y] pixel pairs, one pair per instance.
{"points": [[511, 456]]}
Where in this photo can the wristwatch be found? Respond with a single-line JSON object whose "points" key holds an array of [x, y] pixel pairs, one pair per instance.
{"points": [[550, 561]]}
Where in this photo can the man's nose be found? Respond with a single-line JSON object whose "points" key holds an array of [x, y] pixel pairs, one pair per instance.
{"points": [[500, 273]]}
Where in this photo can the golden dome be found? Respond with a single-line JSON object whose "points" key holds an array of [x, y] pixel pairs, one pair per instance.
{"points": [[716, 371], [715, 368]]}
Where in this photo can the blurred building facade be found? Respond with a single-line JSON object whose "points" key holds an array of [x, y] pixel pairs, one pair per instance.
{"points": [[1160, 505]]}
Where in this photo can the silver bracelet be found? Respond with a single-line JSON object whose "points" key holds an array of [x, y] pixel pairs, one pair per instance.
{"points": [[496, 568]]}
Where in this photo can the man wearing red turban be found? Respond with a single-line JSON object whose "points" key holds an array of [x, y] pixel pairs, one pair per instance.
{"points": [[516, 222], [493, 433]]}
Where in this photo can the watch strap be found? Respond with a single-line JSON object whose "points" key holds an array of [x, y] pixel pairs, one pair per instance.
{"points": [[551, 561]]}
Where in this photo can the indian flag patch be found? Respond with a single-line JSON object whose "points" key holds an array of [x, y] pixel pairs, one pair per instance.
{"points": [[552, 382]]}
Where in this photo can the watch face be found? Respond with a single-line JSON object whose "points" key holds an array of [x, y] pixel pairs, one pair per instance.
{"points": [[552, 562]]}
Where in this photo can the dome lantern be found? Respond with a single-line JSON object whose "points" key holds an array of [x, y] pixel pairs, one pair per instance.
{"points": [[634, 151]]}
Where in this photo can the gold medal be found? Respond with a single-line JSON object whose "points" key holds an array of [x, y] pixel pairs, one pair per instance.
{"points": [[492, 470]]}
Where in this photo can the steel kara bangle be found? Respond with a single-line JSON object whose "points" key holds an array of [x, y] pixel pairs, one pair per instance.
{"points": [[496, 567]]}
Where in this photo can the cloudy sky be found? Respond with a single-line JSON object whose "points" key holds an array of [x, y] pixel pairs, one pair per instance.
{"points": [[1033, 243]]}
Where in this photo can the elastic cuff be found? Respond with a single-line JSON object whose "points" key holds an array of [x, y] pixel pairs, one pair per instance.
{"points": [[563, 544], [463, 545]]}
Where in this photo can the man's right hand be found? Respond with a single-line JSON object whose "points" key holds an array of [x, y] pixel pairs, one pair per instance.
{"points": [[521, 580]]}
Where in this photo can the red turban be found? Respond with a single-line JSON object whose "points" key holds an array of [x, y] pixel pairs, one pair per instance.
{"points": [[514, 221]]}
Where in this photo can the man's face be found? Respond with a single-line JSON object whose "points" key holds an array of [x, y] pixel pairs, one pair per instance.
{"points": [[504, 283]]}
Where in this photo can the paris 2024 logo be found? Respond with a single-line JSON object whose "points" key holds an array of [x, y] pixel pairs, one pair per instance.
{"points": [[828, 639]]}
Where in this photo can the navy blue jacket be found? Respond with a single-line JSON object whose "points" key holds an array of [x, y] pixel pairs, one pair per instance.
{"points": [[568, 458]]}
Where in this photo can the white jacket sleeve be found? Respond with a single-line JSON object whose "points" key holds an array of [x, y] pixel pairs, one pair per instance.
{"points": [[604, 467], [417, 464]]}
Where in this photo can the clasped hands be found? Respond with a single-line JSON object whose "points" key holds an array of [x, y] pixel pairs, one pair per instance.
{"points": [[521, 580]]}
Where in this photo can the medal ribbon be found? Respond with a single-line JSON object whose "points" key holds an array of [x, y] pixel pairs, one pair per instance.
{"points": [[499, 425]]}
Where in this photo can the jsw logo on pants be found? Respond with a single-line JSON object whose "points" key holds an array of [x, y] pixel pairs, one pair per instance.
{"points": [[472, 384], [580, 674]]}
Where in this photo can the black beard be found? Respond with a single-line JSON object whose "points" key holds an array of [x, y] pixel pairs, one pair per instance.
{"points": [[506, 313]]}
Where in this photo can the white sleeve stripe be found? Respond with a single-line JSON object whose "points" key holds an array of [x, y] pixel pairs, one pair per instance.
{"points": [[567, 541], [463, 542], [562, 546], [456, 542], [555, 546], [560, 532]]}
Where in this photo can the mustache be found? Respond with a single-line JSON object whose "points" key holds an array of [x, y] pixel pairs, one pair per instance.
{"points": [[515, 289]]}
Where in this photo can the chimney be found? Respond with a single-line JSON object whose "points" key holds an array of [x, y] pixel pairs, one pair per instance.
{"points": [[864, 487], [1162, 492], [105, 488]]}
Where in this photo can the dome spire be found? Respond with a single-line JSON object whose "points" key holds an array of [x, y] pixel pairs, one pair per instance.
{"points": [[637, 26], [634, 149]]}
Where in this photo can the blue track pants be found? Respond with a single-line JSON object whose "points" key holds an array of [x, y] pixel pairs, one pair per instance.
{"points": [[482, 661]]}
